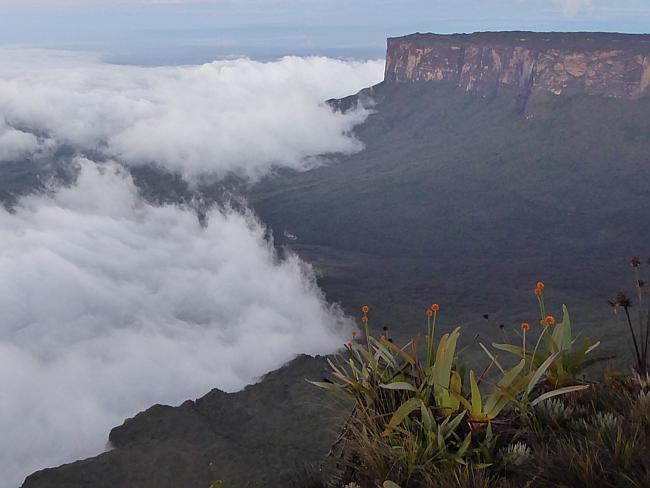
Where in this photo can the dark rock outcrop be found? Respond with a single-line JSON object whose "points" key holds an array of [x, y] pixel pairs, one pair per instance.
{"points": [[259, 437]]}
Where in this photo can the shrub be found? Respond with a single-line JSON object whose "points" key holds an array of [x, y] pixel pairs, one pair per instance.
{"points": [[416, 420]]}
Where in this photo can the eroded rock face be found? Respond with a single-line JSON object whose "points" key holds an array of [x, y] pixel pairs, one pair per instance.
{"points": [[612, 65], [263, 436]]}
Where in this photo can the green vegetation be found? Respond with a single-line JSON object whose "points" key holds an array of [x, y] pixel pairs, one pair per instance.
{"points": [[422, 418]]}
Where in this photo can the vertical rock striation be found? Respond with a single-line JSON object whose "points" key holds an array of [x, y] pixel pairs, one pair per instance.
{"points": [[612, 65]]}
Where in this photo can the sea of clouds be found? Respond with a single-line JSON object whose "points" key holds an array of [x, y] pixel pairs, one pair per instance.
{"points": [[238, 116], [109, 304]]}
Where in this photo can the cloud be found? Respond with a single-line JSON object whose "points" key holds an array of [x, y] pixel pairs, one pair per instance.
{"points": [[239, 116], [572, 7], [110, 305], [15, 143]]}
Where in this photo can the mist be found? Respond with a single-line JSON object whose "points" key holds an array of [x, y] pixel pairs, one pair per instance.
{"points": [[111, 304], [227, 117]]}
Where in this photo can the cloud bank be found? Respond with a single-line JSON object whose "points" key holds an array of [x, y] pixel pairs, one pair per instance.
{"points": [[110, 305], [238, 116], [572, 7]]}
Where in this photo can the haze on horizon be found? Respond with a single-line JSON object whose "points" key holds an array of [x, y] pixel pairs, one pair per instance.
{"points": [[167, 32], [111, 302]]}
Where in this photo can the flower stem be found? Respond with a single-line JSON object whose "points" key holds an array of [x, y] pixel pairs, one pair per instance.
{"points": [[431, 337], [636, 345], [539, 339]]}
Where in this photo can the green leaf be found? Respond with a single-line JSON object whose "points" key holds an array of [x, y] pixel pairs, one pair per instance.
{"points": [[456, 386], [441, 370], [401, 351], [491, 356], [517, 350], [399, 385], [325, 386], [591, 348], [497, 400], [384, 353], [401, 413], [427, 418], [541, 371], [558, 392], [390, 484], [477, 402], [453, 425], [562, 333], [511, 375], [465, 445], [462, 400]]}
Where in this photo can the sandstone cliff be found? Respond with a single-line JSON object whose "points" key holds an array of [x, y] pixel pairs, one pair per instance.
{"points": [[612, 65]]}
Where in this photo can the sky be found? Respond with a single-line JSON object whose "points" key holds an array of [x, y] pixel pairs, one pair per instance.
{"points": [[157, 32]]}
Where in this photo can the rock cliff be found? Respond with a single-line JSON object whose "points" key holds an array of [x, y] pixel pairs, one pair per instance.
{"points": [[612, 65]]}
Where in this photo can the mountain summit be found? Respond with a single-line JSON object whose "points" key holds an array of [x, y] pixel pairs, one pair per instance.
{"points": [[612, 65]]}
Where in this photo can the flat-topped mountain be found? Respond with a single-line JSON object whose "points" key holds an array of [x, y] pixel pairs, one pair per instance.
{"points": [[613, 65], [454, 200]]}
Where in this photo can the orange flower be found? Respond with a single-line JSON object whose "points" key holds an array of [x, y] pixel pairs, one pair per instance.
{"points": [[435, 307], [429, 312], [540, 285], [365, 309], [539, 291], [549, 320], [354, 333], [364, 320], [525, 326]]}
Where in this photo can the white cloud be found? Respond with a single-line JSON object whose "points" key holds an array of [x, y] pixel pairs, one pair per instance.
{"points": [[110, 305], [572, 7], [14, 143], [236, 116]]}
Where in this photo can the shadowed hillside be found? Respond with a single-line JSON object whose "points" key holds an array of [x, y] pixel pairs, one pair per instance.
{"points": [[458, 199], [263, 436]]}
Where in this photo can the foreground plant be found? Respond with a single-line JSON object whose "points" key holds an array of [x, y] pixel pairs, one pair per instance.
{"points": [[554, 340], [413, 418], [639, 328]]}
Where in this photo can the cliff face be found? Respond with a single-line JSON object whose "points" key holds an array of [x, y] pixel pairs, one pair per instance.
{"points": [[612, 65]]}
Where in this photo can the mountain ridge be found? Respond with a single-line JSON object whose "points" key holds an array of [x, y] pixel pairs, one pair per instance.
{"points": [[611, 65]]}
